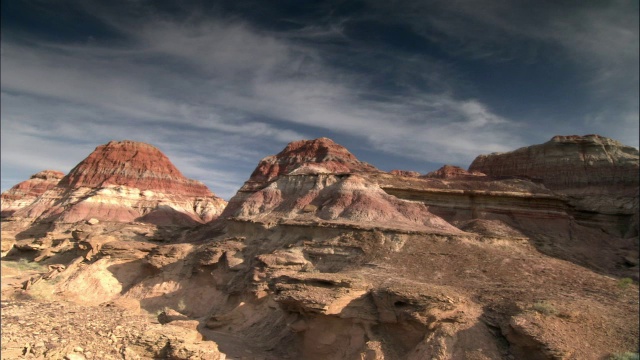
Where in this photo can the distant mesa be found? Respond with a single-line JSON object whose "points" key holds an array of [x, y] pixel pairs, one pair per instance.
{"points": [[26, 192], [598, 175], [450, 171], [124, 181], [405, 173], [584, 164]]}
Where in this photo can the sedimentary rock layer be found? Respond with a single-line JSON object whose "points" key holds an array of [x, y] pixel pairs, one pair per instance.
{"points": [[134, 165], [319, 155], [599, 175], [26, 192], [569, 163], [125, 181], [450, 171]]}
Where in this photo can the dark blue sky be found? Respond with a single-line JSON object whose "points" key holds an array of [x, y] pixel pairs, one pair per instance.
{"points": [[217, 85]]}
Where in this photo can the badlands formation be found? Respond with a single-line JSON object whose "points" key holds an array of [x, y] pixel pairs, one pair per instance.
{"points": [[26, 192], [531, 254]]}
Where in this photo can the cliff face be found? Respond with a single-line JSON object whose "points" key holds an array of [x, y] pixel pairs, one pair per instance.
{"points": [[26, 192], [125, 181], [572, 164], [597, 174], [450, 171]]}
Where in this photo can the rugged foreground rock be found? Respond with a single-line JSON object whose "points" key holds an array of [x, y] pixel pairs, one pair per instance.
{"points": [[320, 256], [62, 330]]}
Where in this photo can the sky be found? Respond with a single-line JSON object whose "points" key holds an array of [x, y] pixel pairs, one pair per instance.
{"points": [[218, 85]]}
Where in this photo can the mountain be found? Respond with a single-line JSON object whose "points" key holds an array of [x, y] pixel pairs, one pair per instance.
{"points": [[125, 181], [319, 155], [320, 182], [589, 164], [26, 192], [598, 175]]}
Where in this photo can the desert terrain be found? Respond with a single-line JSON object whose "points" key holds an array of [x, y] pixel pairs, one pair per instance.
{"points": [[529, 254]]}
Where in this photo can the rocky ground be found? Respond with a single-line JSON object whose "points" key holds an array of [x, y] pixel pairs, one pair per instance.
{"points": [[36, 324], [541, 308]]}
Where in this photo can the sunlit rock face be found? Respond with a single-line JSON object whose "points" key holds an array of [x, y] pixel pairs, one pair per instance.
{"points": [[598, 175], [126, 181], [589, 164], [134, 165], [313, 181], [26, 192], [320, 153], [450, 171]]}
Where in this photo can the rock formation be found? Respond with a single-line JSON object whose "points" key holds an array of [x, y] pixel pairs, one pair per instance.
{"points": [[597, 174], [571, 164], [26, 192], [450, 171], [319, 181], [134, 165], [319, 156], [321, 256], [125, 181], [405, 173]]}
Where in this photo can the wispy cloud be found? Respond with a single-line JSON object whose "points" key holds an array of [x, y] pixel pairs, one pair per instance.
{"points": [[598, 40], [202, 89], [218, 93]]}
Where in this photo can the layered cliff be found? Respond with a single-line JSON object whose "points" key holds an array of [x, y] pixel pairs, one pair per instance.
{"points": [[598, 175], [125, 181], [134, 165], [26, 192], [450, 171], [572, 164], [318, 181], [321, 154]]}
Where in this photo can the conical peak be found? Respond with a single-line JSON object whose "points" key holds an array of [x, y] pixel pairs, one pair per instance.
{"points": [[332, 157], [25, 192], [315, 150], [133, 164]]}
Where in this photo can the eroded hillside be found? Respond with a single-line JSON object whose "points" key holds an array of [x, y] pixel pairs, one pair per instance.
{"points": [[321, 256]]}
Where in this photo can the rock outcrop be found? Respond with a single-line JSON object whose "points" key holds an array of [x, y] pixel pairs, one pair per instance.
{"points": [[125, 181], [318, 156], [134, 165], [318, 181], [450, 171], [405, 173], [597, 174], [26, 192], [571, 164]]}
